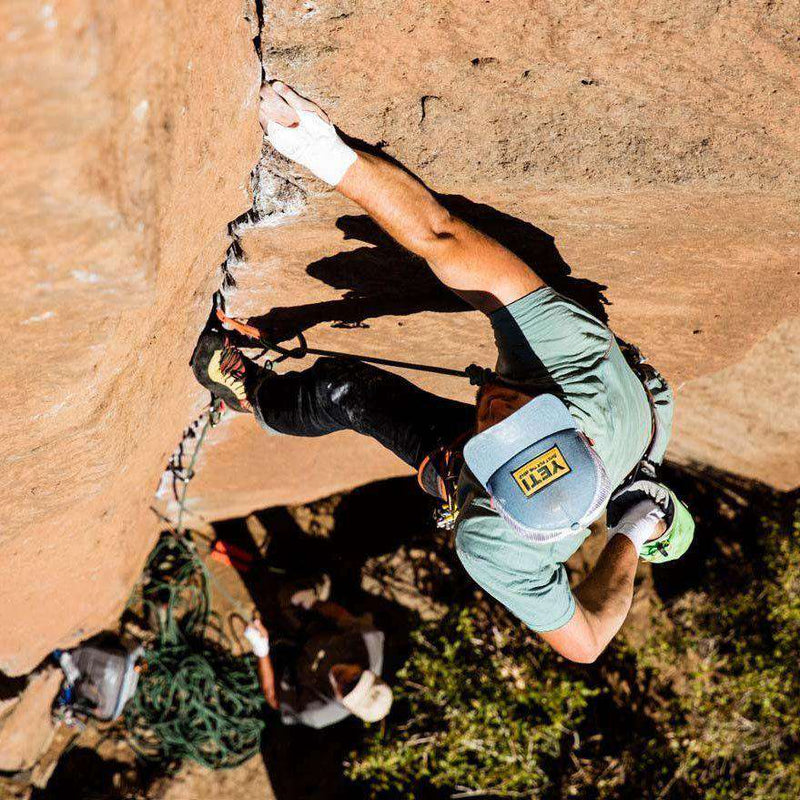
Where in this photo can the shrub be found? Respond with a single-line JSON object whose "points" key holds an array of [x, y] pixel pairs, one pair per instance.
{"points": [[708, 707], [728, 661], [483, 710]]}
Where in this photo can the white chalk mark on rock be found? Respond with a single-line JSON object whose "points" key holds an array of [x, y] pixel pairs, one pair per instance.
{"points": [[39, 318], [140, 112], [84, 276]]}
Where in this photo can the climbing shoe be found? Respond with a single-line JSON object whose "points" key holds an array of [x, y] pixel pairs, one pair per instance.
{"points": [[222, 368]]}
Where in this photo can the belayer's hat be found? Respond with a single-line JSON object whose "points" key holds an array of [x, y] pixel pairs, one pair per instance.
{"points": [[370, 699], [543, 476]]}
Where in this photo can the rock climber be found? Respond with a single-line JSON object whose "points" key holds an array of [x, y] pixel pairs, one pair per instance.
{"points": [[569, 427], [329, 661]]}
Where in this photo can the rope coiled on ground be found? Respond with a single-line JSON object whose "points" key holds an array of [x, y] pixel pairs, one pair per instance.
{"points": [[195, 700]]}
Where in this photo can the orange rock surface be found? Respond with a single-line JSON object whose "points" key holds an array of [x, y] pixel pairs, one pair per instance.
{"points": [[129, 132], [681, 275]]}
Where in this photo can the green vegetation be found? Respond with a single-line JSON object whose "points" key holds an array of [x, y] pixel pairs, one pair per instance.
{"points": [[706, 705], [732, 659], [481, 711]]}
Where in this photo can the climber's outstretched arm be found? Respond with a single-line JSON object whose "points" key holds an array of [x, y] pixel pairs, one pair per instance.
{"points": [[473, 265]]}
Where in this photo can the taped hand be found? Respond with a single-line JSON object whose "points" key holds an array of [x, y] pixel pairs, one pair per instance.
{"points": [[639, 523], [677, 538], [301, 131]]}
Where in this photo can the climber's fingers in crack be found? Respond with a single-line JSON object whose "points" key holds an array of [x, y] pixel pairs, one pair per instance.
{"points": [[274, 108], [297, 102]]}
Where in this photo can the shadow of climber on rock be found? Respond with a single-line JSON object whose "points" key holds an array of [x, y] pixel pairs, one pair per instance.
{"points": [[384, 279]]}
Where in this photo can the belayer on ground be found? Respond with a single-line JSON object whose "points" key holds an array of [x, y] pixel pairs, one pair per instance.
{"points": [[569, 429], [326, 663]]}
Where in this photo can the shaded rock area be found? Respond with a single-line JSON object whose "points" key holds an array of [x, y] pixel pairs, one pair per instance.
{"points": [[400, 572], [645, 159]]}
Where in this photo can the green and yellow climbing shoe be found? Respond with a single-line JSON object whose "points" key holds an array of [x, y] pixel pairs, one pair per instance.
{"points": [[222, 368]]}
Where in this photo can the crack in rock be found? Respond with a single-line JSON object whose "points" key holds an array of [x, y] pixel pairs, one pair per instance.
{"points": [[277, 193]]}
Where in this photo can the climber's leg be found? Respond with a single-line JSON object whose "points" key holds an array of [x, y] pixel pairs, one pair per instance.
{"points": [[335, 394], [338, 394]]}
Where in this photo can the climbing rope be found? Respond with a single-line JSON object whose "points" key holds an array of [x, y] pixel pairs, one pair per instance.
{"points": [[194, 699], [476, 375]]}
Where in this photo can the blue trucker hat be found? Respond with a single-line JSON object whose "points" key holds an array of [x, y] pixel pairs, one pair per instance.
{"points": [[543, 476]]}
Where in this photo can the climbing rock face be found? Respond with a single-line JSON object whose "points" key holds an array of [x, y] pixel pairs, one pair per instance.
{"points": [[129, 131], [663, 278], [645, 159]]}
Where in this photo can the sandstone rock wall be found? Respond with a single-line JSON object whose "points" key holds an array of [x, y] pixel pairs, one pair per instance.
{"points": [[655, 144], [129, 132], [693, 279]]}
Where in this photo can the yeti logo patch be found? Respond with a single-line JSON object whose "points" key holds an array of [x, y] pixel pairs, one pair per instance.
{"points": [[541, 471]]}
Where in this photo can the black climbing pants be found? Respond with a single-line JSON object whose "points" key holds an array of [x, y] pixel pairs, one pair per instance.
{"points": [[339, 393]]}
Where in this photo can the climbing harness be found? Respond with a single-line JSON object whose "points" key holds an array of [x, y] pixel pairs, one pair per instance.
{"points": [[438, 476], [645, 372]]}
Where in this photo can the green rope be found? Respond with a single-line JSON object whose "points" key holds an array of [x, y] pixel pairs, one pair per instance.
{"points": [[195, 700]]}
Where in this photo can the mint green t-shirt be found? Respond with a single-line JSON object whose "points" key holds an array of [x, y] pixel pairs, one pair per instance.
{"points": [[549, 344]]}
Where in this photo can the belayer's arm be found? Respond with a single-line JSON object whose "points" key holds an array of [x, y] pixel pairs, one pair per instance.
{"points": [[473, 265], [266, 677], [258, 637]]}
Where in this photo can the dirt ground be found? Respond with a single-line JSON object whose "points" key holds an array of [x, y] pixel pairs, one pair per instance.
{"points": [[395, 566]]}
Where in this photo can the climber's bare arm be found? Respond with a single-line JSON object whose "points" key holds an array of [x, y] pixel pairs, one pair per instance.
{"points": [[473, 265], [603, 600]]}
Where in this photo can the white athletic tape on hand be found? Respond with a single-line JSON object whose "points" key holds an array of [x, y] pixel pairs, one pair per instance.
{"points": [[315, 145], [638, 523], [258, 641]]}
